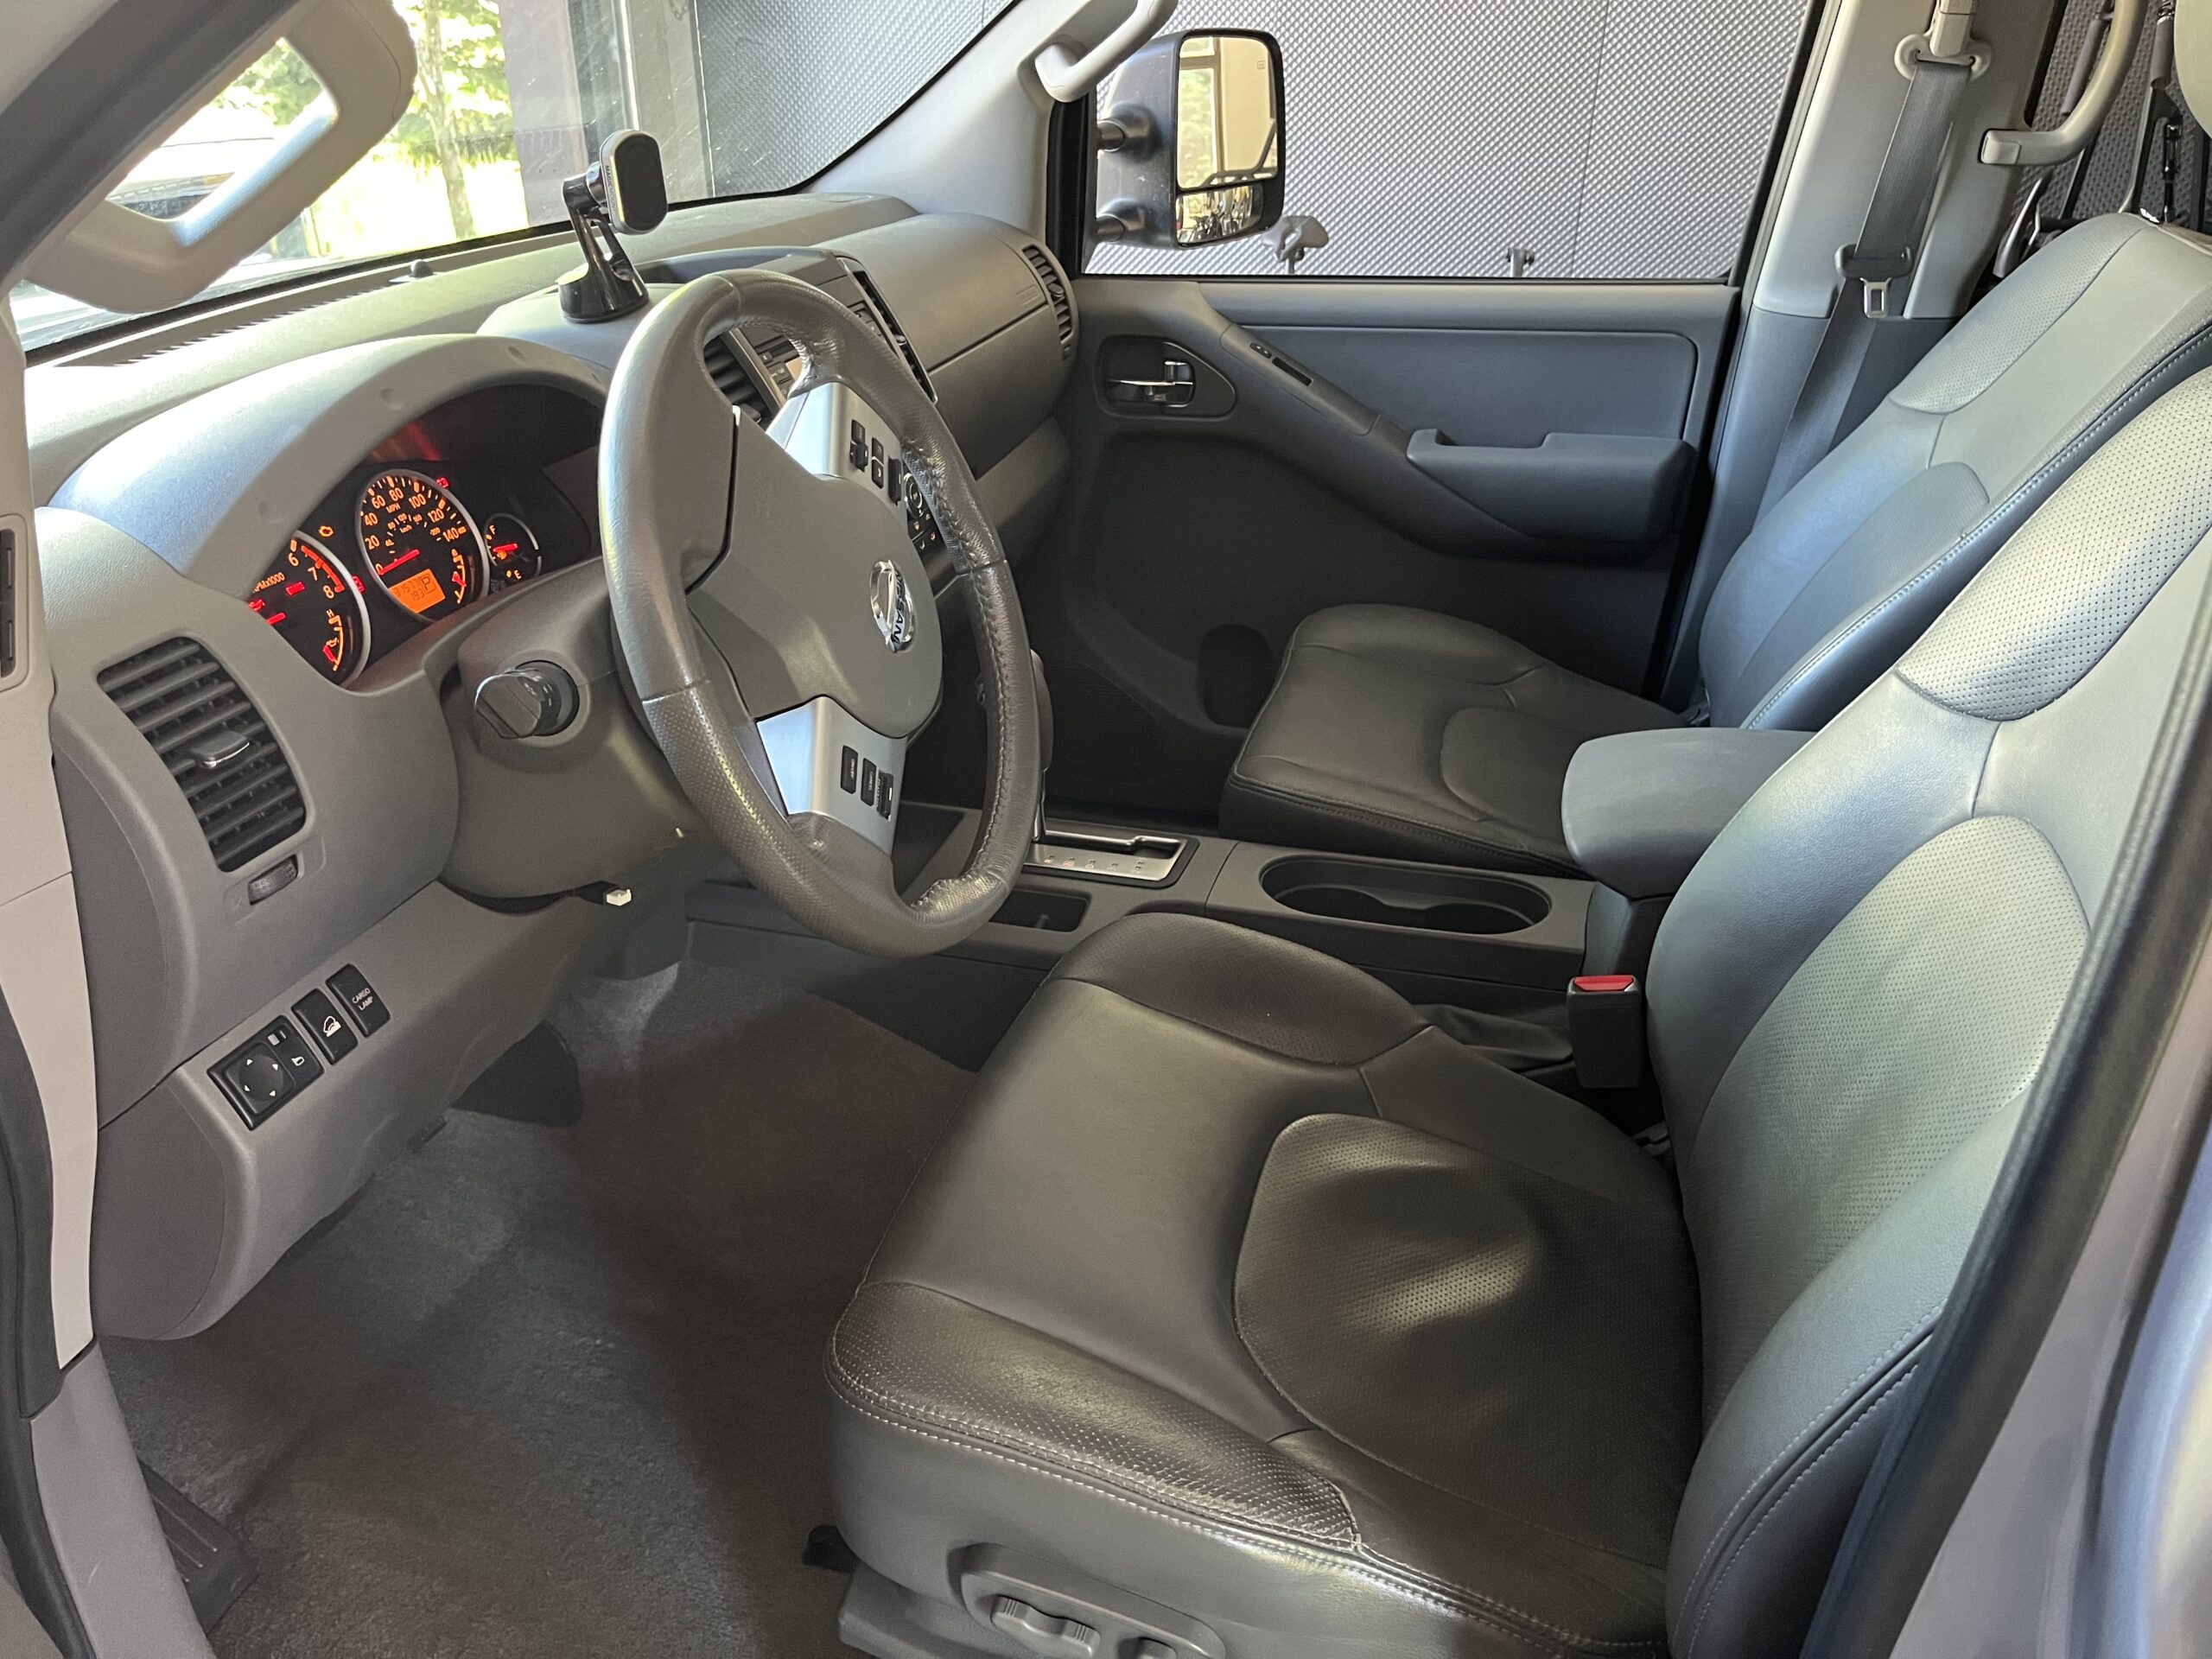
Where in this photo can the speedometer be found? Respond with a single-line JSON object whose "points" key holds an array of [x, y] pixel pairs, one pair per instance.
{"points": [[420, 543], [310, 598]]}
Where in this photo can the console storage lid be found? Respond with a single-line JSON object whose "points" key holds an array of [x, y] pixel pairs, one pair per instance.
{"points": [[1640, 808]]}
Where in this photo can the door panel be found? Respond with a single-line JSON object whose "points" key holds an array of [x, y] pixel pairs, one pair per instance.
{"points": [[1521, 454]]}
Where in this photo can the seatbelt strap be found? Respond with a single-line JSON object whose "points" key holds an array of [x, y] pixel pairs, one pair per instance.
{"points": [[1877, 270]]}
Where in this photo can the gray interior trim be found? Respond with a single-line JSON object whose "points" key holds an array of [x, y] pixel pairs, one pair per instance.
{"points": [[119, 1565]]}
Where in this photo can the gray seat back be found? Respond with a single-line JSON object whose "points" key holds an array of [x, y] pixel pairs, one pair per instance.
{"points": [[1851, 566], [1856, 986]]}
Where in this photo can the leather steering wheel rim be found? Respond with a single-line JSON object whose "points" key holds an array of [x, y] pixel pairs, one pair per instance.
{"points": [[674, 459]]}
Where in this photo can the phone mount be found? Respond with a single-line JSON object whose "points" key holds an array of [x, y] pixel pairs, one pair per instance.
{"points": [[623, 189]]}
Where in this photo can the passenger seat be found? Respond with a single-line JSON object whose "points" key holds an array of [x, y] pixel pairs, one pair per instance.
{"points": [[1404, 734]]}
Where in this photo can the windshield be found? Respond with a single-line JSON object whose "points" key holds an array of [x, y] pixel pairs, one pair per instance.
{"points": [[747, 97]]}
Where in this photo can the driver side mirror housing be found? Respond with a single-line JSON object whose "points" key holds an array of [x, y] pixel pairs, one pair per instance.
{"points": [[1190, 141]]}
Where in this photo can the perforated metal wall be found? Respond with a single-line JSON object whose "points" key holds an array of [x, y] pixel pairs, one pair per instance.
{"points": [[788, 86], [1621, 141]]}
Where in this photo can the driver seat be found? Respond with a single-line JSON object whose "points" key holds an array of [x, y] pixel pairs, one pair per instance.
{"points": [[1245, 1313]]}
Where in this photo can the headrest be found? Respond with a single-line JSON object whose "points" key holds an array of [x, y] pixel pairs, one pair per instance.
{"points": [[2193, 54]]}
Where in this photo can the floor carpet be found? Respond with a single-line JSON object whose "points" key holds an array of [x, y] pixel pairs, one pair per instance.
{"points": [[556, 1391]]}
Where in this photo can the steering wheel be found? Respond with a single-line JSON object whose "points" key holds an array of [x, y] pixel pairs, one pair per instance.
{"points": [[748, 572]]}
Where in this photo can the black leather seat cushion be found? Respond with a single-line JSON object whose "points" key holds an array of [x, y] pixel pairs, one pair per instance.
{"points": [[1241, 1287], [1406, 734]]}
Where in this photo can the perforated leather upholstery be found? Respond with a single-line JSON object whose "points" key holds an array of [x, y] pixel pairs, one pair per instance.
{"points": [[1401, 733], [1241, 1288]]}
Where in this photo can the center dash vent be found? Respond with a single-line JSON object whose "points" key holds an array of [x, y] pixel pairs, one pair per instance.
{"points": [[887, 325], [1056, 291], [216, 745], [733, 380]]}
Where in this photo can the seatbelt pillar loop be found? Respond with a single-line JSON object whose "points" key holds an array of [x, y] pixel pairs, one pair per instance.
{"points": [[1949, 29]]}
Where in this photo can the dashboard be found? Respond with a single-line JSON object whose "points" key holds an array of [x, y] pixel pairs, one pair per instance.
{"points": [[271, 598]]}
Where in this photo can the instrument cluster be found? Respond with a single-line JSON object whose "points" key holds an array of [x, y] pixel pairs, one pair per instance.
{"points": [[397, 546]]}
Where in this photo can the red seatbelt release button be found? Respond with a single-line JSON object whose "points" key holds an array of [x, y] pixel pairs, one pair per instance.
{"points": [[1604, 1022]]}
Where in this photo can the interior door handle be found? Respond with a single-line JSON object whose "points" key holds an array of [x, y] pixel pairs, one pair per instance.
{"points": [[1177, 388]]}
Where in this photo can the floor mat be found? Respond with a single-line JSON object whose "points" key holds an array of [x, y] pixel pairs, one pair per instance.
{"points": [[550, 1392]]}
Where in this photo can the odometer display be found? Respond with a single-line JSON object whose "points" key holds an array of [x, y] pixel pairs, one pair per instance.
{"points": [[420, 543], [310, 598]]}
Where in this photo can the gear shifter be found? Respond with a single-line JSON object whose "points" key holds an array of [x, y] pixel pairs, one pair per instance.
{"points": [[1138, 858], [1043, 740]]}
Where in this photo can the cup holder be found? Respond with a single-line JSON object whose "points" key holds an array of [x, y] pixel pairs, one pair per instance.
{"points": [[1441, 901]]}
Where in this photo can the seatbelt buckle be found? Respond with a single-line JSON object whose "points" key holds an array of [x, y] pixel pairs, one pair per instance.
{"points": [[1874, 273], [1604, 1023]]}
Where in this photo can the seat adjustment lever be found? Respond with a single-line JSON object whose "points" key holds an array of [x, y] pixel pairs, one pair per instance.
{"points": [[1041, 1632]]}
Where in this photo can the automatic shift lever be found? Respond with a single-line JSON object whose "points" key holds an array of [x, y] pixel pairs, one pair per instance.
{"points": [[1044, 738], [1138, 857]]}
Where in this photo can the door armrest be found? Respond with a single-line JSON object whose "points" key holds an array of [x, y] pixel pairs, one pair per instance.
{"points": [[1640, 808], [1571, 487]]}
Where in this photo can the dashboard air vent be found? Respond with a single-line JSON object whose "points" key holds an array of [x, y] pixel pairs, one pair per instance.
{"points": [[211, 737], [888, 325], [733, 380], [1056, 291]]}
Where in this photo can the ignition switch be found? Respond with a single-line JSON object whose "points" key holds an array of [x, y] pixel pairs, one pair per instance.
{"points": [[532, 700]]}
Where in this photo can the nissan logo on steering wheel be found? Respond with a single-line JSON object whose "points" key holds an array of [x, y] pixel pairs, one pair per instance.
{"points": [[893, 601]]}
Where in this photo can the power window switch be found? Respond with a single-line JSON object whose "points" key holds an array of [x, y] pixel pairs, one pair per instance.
{"points": [[359, 1000], [326, 1029]]}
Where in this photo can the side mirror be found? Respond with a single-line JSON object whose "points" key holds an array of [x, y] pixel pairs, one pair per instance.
{"points": [[1190, 142]]}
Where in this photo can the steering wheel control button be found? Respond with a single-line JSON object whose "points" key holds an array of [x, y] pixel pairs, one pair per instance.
{"points": [[326, 1028], [358, 998], [535, 700], [268, 1071]]}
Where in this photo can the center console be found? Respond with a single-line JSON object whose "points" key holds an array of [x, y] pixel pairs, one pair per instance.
{"points": [[1489, 953], [1502, 947]]}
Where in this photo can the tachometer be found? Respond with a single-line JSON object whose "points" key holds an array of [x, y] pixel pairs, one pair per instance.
{"points": [[311, 599], [420, 543]]}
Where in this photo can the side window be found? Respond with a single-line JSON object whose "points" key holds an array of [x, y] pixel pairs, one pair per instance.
{"points": [[1621, 142]]}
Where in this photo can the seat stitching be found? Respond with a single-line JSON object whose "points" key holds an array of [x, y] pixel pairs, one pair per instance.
{"points": [[1864, 1415], [1415, 1586], [1096, 1468], [2110, 415], [1794, 1445]]}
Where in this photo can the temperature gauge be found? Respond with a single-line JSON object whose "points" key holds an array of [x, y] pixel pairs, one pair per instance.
{"points": [[513, 550]]}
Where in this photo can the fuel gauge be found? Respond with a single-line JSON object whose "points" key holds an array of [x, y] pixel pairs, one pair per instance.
{"points": [[515, 556]]}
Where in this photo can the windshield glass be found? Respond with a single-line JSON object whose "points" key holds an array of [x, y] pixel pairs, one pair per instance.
{"points": [[747, 97]]}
